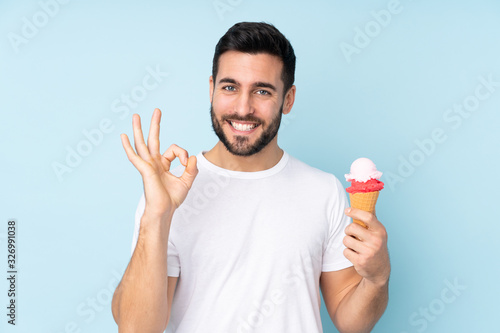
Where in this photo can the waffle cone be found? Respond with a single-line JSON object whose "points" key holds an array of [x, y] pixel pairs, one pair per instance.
{"points": [[364, 201]]}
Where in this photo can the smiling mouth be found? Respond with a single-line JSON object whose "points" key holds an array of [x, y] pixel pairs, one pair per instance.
{"points": [[242, 126]]}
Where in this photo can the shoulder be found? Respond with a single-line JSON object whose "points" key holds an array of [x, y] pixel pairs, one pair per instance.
{"points": [[301, 169]]}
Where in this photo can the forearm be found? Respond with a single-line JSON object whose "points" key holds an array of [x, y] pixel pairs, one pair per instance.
{"points": [[140, 300], [362, 307]]}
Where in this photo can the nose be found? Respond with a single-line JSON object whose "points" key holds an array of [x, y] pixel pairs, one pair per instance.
{"points": [[243, 104]]}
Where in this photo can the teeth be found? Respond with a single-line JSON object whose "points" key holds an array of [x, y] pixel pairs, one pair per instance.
{"points": [[243, 127]]}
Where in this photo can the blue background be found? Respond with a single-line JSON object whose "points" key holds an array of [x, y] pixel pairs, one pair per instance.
{"points": [[383, 101]]}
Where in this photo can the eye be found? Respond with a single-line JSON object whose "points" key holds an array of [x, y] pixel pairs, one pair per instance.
{"points": [[263, 92], [229, 88]]}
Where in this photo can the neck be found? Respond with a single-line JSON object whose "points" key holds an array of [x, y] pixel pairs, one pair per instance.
{"points": [[268, 157]]}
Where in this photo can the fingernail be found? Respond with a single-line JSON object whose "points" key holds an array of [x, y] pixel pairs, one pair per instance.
{"points": [[347, 210]]}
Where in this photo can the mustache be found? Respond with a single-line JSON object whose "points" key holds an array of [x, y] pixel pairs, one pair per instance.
{"points": [[236, 117]]}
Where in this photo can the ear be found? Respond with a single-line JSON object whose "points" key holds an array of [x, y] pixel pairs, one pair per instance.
{"points": [[211, 80], [289, 100]]}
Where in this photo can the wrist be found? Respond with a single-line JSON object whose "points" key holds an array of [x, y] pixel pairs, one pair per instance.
{"points": [[151, 217], [154, 211], [376, 284]]}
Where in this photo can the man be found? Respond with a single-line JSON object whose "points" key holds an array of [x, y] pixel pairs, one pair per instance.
{"points": [[242, 239]]}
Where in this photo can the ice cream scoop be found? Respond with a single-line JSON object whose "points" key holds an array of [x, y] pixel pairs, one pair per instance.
{"points": [[362, 170], [365, 185]]}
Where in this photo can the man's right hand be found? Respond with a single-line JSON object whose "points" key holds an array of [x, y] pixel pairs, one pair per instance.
{"points": [[164, 192]]}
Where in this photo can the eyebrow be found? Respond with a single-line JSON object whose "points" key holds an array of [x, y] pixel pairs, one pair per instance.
{"points": [[256, 84]]}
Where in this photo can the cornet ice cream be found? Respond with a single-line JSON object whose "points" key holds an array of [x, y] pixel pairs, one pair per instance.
{"points": [[365, 185]]}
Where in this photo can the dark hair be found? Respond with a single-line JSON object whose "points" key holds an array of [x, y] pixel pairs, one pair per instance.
{"points": [[254, 38]]}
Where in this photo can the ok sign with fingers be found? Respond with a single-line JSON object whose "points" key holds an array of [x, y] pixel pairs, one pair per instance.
{"points": [[164, 192]]}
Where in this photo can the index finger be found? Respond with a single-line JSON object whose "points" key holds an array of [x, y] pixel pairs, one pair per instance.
{"points": [[368, 219], [175, 151]]}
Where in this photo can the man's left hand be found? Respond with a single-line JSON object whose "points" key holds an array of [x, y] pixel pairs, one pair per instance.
{"points": [[367, 247]]}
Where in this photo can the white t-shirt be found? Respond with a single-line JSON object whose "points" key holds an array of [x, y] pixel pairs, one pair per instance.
{"points": [[249, 248]]}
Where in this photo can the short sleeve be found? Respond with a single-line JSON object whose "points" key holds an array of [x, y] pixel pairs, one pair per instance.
{"points": [[333, 254], [173, 261]]}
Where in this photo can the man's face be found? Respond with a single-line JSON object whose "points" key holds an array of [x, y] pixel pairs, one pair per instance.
{"points": [[247, 101]]}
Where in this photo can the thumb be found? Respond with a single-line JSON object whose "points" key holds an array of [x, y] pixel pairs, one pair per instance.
{"points": [[190, 172]]}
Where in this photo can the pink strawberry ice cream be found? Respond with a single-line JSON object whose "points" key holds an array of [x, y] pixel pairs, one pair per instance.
{"points": [[364, 177]]}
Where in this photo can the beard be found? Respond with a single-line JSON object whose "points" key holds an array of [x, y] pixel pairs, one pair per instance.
{"points": [[241, 145]]}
